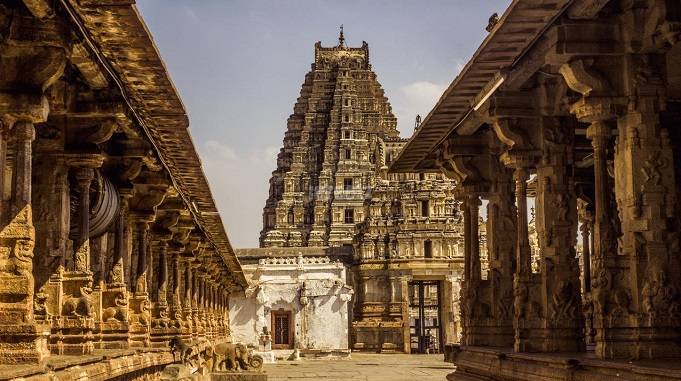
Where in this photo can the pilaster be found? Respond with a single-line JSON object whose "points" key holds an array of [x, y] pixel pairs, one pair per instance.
{"points": [[22, 339]]}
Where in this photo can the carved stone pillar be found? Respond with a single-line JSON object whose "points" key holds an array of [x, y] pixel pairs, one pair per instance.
{"points": [[473, 306], [501, 242], [174, 297], [117, 274], [473, 205], [210, 311], [187, 321], [25, 134], [527, 311], [523, 252], [559, 291], [197, 326], [161, 329], [21, 339], [645, 190], [604, 256], [142, 256], [140, 305], [74, 333], [201, 302], [585, 230], [113, 324]]}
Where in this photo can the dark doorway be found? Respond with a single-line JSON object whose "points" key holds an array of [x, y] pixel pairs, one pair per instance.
{"points": [[282, 330], [425, 331]]}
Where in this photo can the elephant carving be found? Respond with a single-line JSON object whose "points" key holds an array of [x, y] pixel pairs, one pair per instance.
{"points": [[234, 357]]}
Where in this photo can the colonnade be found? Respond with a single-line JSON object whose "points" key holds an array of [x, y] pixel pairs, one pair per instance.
{"points": [[102, 243]]}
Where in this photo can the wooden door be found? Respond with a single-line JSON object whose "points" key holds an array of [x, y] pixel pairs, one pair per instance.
{"points": [[282, 330]]}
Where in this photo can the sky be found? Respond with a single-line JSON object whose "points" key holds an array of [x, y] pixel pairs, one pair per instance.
{"points": [[239, 66]]}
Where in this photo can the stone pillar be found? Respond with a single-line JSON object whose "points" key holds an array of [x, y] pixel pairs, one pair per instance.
{"points": [[558, 291], [202, 306], [467, 242], [604, 236], [210, 308], [142, 256], [25, 134], [526, 311], [187, 321], [586, 255], [22, 341], [585, 230], [197, 327], [140, 305], [117, 274], [501, 242], [75, 330], [474, 218], [161, 329], [84, 177], [475, 304], [113, 324], [645, 191], [176, 300], [523, 252]]}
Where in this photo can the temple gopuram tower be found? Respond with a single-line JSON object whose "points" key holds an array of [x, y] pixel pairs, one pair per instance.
{"points": [[328, 159]]}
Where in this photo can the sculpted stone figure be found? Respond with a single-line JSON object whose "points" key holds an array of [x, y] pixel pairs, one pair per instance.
{"points": [[119, 312], [234, 357], [40, 305], [564, 301], [178, 346], [80, 306], [142, 317], [23, 257]]}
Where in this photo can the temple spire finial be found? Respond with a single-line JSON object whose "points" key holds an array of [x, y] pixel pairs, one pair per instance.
{"points": [[341, 37]]}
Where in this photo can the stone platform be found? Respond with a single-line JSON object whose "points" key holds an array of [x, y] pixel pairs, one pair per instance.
{"points": [[502, 364], [101, 365], [239, 376], [362, 366]]}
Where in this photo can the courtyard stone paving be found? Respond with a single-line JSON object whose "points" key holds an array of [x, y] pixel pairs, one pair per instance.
{"points": [[369, 367]]}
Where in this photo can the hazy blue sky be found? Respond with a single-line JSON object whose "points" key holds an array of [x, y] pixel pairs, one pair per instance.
{"points": [[239, 65]]}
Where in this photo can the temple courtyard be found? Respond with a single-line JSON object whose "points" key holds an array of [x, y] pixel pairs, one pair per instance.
{"points": [[363, 366]]}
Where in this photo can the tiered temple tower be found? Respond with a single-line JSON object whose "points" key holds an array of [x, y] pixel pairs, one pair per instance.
{"points": [[328, 160]]}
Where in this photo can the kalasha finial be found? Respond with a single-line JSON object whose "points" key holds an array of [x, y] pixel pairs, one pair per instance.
{"points": [[341, 37]]}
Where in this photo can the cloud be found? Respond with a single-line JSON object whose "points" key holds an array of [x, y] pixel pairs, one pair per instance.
{"points": [[415, 98], [240, 185]]}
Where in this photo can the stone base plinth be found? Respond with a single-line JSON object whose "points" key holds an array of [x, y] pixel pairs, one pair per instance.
{"points": [[489, 363], [239, 376], [268, 357], [112, 335], [23, 343]]}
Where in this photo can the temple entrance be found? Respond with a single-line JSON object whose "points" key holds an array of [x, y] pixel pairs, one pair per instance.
{"points": [[281, 327], [425, 333]]}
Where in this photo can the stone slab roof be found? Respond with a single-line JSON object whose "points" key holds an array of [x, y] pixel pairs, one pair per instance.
{"points": [[515, 32], [124, 46]]}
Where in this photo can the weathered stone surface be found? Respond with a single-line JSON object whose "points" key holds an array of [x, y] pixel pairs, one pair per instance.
{"points": [[584, 119], [238, 376], [97, 170]]}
